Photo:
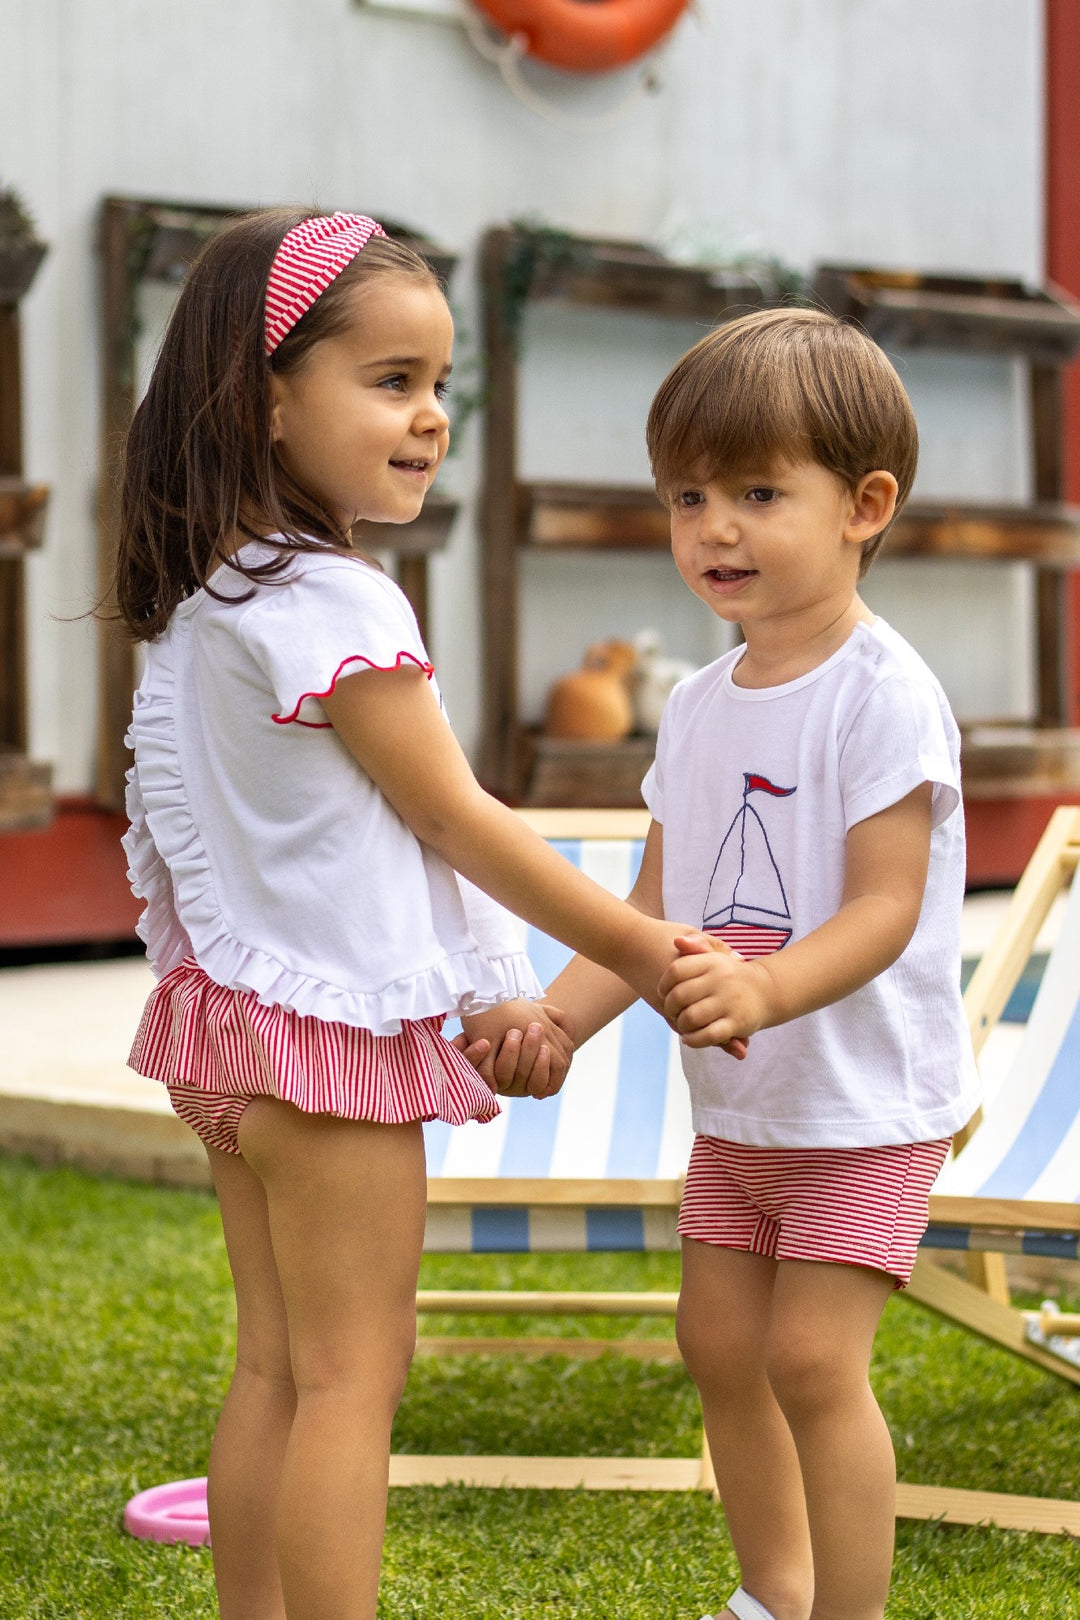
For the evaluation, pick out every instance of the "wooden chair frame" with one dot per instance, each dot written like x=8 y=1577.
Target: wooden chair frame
x=977 y=1303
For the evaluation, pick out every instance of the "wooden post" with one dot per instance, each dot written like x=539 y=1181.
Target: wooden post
x=25 y=788
x=1050 y=584
x=501 y=756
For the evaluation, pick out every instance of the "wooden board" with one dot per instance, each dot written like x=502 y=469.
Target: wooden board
x=1048 y=1516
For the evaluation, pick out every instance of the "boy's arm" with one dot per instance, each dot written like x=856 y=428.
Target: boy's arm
x=713 y=997
x=588 y=997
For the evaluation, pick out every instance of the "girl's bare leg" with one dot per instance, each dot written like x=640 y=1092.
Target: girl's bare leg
x=821 y=1334
x=723 y=1325
x=253 y=1430
x=346 y=1203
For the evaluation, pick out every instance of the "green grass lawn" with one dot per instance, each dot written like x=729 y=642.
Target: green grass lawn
x=116 y=1324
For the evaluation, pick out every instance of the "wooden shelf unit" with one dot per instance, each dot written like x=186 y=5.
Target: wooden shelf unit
x=900 y=308
x=597 y=272
x=26 y=798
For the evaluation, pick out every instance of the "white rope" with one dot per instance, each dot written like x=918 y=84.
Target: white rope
x=507 y=54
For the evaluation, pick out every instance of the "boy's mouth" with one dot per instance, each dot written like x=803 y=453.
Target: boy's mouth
x=729 y=576
x=412 y=466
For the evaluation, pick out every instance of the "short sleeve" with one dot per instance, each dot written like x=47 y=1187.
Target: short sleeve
x=325 y=622
x=902 y=736
x=652 y=788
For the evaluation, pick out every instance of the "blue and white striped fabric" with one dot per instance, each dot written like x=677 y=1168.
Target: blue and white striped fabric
x=623 y=1114
x=1028 y=1144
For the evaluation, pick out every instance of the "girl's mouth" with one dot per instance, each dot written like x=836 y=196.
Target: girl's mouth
x=411 y=466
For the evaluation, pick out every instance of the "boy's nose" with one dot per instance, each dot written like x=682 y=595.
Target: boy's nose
x=721 y=525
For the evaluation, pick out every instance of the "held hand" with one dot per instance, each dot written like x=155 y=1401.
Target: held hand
x=521 y=1048
x=712 y=997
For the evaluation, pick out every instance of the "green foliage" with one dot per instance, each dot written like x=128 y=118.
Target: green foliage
x=115 y=1343
x=16 y=223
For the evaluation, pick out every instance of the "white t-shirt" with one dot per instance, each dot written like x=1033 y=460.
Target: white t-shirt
x=260 y=845
x=756 y=791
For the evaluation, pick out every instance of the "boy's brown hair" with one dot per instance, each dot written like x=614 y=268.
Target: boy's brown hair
x=784 y=385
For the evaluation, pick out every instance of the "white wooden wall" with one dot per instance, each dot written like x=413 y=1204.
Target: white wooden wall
x=876 y=131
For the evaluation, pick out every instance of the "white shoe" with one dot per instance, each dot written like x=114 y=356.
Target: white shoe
x=744 y=1607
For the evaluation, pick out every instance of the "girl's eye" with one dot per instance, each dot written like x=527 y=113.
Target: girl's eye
x=397 y=381
x=761 y=496
x=689 y=497
x=442 y=390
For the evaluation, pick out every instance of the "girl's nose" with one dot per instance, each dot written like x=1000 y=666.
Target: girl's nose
x=432 y=416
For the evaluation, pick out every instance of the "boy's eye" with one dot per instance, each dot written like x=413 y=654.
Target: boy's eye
x=442 y=389
x=689 y=497
x=761 y=495
x=397 y=381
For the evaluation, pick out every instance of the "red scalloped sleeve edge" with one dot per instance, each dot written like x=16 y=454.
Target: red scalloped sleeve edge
x=354 y=658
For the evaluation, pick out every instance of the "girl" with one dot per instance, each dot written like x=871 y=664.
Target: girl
x=300 y=812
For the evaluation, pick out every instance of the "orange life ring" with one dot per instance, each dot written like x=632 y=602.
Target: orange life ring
x=586 y=36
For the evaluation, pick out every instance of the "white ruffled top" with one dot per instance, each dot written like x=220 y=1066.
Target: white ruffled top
x=260 y=846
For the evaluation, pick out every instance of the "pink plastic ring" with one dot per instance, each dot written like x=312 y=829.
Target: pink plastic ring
x=175 y=1512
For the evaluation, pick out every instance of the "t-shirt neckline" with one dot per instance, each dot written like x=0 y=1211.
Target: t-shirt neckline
x=762 y=694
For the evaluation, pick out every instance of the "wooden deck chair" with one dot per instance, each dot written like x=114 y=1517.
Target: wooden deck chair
x=1013 y=1184
x=600 y=1168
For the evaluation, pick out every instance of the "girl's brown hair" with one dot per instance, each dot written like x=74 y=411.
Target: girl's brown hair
x=784 y=385
x=199 y=465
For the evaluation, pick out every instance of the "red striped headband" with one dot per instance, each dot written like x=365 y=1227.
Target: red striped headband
x=310 y=256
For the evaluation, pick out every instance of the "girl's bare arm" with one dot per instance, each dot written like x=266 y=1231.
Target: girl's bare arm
x=391 y=723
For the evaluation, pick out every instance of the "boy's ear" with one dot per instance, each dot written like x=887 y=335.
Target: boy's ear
x=873 y=503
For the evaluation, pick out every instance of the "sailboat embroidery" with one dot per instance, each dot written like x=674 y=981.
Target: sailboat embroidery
x=746 y=905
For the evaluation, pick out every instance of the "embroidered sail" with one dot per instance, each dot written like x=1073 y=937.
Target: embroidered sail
x=746 y=905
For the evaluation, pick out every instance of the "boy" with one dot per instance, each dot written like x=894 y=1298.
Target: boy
x=806 y=807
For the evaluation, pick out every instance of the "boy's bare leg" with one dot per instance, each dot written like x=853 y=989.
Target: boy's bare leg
x=723 y=1324
x=346 y=1202
x=253 y=1430
x=822 y=1328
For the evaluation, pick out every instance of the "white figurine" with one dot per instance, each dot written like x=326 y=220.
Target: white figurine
x=654 y=676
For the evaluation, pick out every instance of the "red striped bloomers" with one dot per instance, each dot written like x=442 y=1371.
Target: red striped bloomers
x=215 y=1049
x=849 y=1206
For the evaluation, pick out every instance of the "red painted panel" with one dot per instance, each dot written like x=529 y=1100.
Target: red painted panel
x=1001 y=836
x=66 y=882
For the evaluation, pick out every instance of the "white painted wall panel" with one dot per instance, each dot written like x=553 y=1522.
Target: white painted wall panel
x=880 y=131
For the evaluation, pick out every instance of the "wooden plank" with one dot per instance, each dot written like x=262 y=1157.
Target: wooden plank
x=587 y=823
x=592 y=774
x=551 y=1473
x=1004 y=1214
x=1043 y=1514
x=26 y=798
x=116 y=677
x=587 y=515
x=1047 y=533
x=955 y=1299
x=1001 y=965
x=688 y=1474
x=580 y=1349
x=528 y=1302
x=521 y=1191
x=501 y=753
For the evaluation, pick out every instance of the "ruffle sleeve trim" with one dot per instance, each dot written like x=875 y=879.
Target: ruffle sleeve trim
x=170 y=869
x=354 y=658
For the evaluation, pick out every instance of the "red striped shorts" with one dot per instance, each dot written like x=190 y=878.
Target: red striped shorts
x=849 y=1206
x=215 y=1049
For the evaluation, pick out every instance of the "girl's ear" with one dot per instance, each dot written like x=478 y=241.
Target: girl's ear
x=276 y=397
x=873 y=503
